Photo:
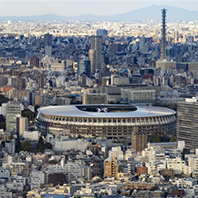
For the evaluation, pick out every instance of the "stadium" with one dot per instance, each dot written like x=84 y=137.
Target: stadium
x=105 y=121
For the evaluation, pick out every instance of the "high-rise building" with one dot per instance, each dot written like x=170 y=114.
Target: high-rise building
x=111 y=167
x=187 y=122
x=13 y=111
x=47 y=40
x=41 y=81
x=92 y=59
x=103 y=33
x=39 y=99
x=34 y=61
x=22 y=125
x=95 y=98
x=139 y=139
x=84 y=65
x=21 y=82
x=48 y=44
x=96 y=44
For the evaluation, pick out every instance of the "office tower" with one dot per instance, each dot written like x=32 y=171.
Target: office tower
x=48 y=44
x=13 y=111
x=87 y=67
x=187 y=122
x=95 y=98
x=22 y=125
x=12 y=81
x=103 y=33
x=96 y=44
x=39 y=99
x=41 y=81
x=138 y=96
x=34 y=61
x=111 y=167
x=20 y=94
x=142 y=42
x=163 y=39
x=92 y=59
x=84 y=65
x=47 y=40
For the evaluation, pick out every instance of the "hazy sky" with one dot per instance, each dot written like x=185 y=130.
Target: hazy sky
x=73 y=8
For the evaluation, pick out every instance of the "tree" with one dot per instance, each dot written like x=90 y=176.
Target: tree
x=172 y=139
x=28 y=114
x=3 y=143
x=156 y=138
x=11 y=137
x=3 y=125
x=40 y=140
x=48 y=145
x=36 y=107
x=27 y=146
x=3 y=99
x=17 y=145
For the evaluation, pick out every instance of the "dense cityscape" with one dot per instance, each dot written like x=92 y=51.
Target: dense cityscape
x=101 y=109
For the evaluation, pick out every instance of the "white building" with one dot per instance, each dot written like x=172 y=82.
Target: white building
x=73 y=170
x=4 y=172
x=35 y=182
x=184 y=182
x=116 y=152
x=10 y=145
x=86 y=172
x=64 y=144
x=179 y=166
x=31 y=135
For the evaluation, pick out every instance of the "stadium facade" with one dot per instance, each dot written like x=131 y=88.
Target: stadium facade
x=105 y=121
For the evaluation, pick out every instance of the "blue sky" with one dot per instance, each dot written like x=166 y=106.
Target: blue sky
x=79 y=7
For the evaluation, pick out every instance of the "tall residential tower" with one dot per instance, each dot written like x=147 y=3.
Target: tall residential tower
x=96 y=44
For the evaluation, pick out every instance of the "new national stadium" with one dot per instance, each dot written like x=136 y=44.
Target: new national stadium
x=105 y=121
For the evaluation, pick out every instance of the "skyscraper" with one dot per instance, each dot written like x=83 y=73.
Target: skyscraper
x=34 y=61
x=187 y=122
x=47 y=40
x=22 y=125
x=48 y=44
x=96 y=44
x=103 y=33
x=163 y=39
x=92 y=59
x=84 y=65
x=13 y=111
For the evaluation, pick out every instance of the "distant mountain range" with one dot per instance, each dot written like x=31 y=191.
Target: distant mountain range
x=149 y=13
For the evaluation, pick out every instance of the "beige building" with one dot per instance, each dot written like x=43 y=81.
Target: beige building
x=20 y=94
x=39 y=99
x=95 y=98
x=193 y=66
x=22 y=125
x=138 y=96
x=139 y=139
x=111 y=167
x=92 y=59
x=164 y=65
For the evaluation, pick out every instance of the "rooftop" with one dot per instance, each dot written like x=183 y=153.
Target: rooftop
x=136 y=111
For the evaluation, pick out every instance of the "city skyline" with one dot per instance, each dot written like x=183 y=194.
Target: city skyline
x=75 y=8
